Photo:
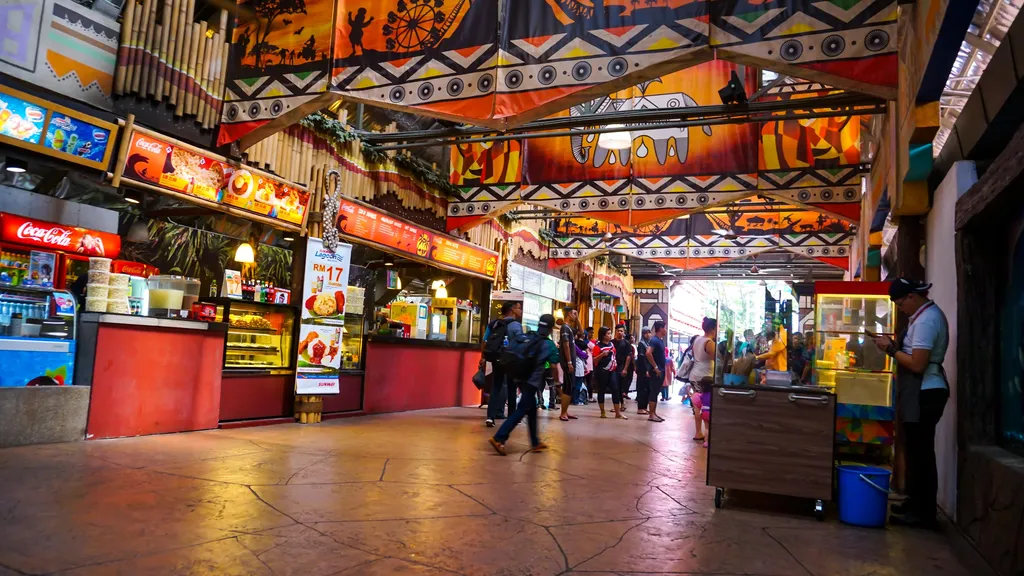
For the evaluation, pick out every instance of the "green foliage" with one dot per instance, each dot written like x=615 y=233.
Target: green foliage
x=336 y=133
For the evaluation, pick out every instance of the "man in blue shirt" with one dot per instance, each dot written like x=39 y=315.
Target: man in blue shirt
x=921 y=395
x=544 y=359
x=656 y=359
x=512 y=314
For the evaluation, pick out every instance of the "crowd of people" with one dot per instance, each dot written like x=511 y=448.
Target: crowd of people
x=578 y=364
x=570 y=366
x=565 y=360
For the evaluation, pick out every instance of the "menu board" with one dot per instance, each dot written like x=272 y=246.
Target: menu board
x=323 y=315
x=46 y=128
x=77 y=137
x=166 y=165
x=20 y=119
x=357 y=220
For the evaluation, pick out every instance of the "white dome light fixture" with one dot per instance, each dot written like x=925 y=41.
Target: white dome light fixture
x=619 y=140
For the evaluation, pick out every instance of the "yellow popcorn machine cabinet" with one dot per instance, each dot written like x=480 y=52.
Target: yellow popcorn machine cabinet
x=848 y=362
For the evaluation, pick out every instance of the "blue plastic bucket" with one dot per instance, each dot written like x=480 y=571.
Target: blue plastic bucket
x=863 y=495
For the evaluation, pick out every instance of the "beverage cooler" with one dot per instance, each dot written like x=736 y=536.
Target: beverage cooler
x=37 y=336
x=49 y=255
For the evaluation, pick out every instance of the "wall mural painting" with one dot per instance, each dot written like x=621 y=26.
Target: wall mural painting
x=501 y=63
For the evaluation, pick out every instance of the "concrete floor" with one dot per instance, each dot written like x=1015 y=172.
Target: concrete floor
x=415 y=493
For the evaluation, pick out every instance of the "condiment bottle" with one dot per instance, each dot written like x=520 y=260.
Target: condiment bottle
x=15 y=327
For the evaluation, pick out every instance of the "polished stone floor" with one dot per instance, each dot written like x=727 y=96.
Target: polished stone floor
x=415 y=493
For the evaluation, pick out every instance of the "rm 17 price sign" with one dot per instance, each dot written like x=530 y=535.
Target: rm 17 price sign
x=319 y=352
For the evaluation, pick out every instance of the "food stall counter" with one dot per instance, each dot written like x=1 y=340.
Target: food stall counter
x=412 y=374
x=149 y=375
x=259 y=359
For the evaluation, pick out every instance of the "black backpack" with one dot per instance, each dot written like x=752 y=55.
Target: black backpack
x=495 y=340
x=519 y=358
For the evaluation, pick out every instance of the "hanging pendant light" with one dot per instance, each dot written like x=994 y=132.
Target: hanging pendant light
x=244 y=253
x=615 y=140
x=441 y=292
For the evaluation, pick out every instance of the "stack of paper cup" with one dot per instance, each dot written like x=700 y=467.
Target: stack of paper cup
x=97 y=289
x=117 y=294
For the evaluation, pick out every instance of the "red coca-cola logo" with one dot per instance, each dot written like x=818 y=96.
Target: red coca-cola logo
x=52 y=236
x=150 y=146
x=27 y=232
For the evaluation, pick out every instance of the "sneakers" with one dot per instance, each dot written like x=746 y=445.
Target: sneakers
x=489 y=423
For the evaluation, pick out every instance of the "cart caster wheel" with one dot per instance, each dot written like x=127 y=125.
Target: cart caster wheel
x=718 y=497
x=819 y=510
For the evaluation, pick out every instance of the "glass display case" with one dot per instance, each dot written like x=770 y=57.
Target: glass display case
x=260 y=335
x=845 y=358
x=37 y=336
x=358 y=301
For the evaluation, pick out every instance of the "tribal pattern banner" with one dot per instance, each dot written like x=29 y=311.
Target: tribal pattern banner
x=652 y=175
x=705 y=239
x=501 y=63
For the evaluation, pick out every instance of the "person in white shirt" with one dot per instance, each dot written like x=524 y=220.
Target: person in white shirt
x=921 y=394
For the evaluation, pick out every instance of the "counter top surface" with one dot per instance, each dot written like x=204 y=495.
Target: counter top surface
x=798 y=389
x=380 y=339
x=152 y=322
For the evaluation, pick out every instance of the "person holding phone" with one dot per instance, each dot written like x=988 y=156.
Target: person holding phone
x=921 y=394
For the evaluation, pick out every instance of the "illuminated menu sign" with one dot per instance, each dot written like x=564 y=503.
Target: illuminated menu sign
x=21 y=120
x=161 y=163
x=368 y=225
x=33 y=124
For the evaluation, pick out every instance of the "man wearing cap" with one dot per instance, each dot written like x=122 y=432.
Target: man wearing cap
x=921 y=394
x=546 y=352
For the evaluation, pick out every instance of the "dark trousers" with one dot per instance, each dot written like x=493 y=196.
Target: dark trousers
x=527 y=408
x=499 y=390
x=919 y=445
x=642 y=390
x=607 y=383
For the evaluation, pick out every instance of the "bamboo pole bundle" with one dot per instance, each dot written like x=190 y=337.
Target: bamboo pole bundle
x=172 y=34
x=213 y=59
x=133 y=53
x=221 y=87
x=124 y=51
x=202 y=69
x=193 y=55
x=180 y=52
x=140 y=44
x=157 y=82
x=196 y=76
x=147 y=46
x=154 y=62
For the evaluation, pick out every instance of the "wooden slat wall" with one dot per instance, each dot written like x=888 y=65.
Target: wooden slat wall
x=299 y=155
x=167 y=56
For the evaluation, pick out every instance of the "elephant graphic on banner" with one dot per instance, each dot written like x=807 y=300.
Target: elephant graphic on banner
x=667 y=142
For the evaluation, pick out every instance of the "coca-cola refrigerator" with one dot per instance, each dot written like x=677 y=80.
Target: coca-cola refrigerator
x=46 y=254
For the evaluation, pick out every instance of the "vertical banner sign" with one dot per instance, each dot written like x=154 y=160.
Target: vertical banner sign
x=323 y=315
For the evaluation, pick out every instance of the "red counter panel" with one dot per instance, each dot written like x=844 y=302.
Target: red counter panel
x=349 y=397
x=154 y=380
x=406 y=376
x=247 y=397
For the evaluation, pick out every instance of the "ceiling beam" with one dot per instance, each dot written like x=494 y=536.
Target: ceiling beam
x=751 y=112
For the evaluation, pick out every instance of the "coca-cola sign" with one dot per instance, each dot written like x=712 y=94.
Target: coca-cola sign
x=57 y=237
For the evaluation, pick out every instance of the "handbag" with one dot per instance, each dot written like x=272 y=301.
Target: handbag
x=683 y=374
x=480 y=379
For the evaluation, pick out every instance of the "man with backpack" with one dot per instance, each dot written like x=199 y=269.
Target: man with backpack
x=499 y=333
x=525 y=360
